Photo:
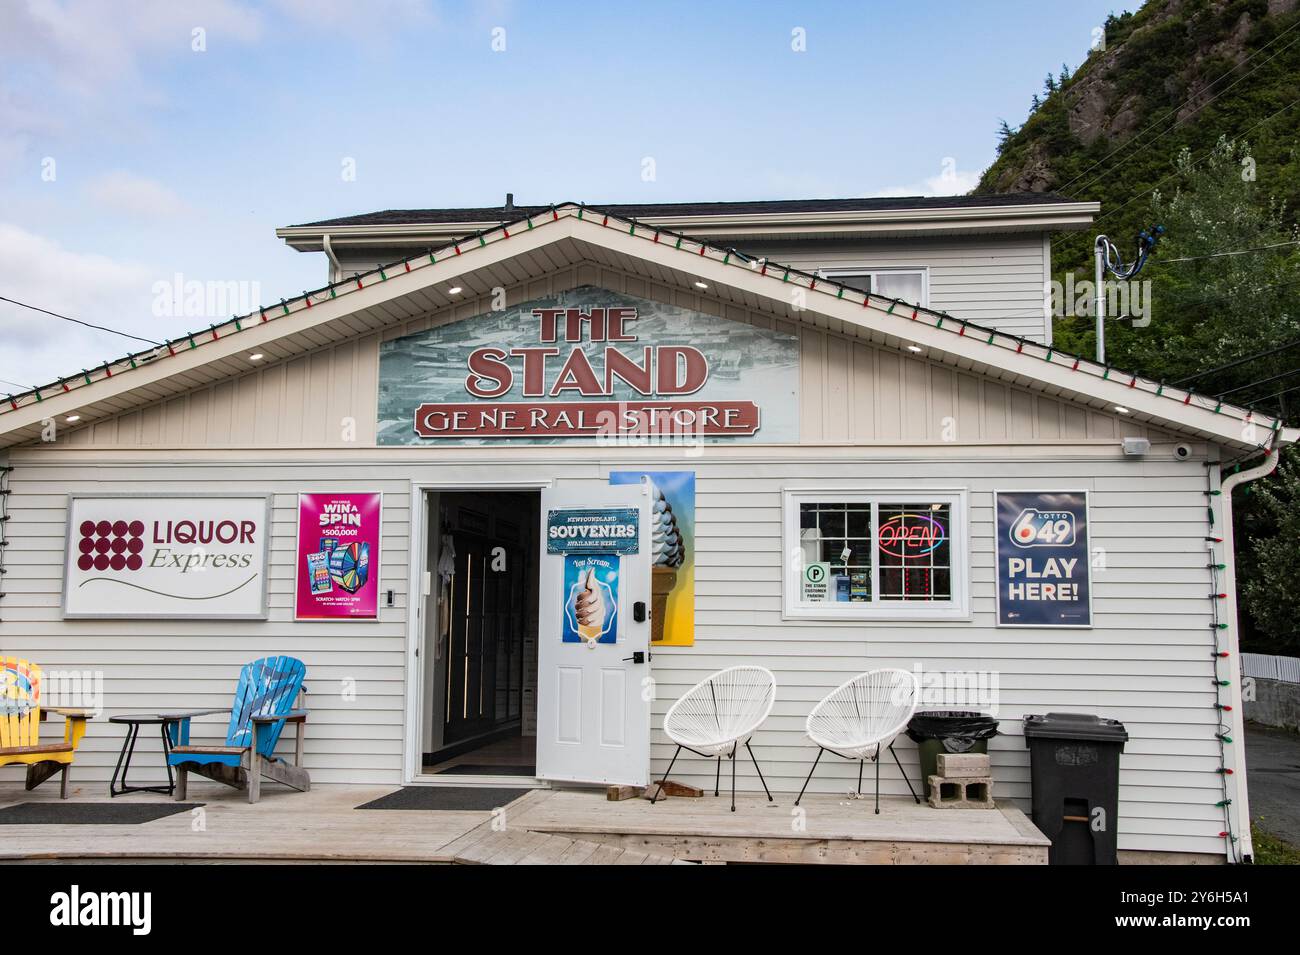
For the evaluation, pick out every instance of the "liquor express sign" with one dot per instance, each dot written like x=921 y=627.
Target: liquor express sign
x=166 y=557
x=1044 y=571
x=589 y=364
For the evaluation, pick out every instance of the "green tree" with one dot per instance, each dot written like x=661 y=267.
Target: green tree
x=1266 y=564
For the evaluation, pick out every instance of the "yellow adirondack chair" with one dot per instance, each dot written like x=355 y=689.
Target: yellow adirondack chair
x=20 y=719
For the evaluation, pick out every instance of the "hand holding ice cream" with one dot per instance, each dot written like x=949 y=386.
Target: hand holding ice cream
x=589 y=607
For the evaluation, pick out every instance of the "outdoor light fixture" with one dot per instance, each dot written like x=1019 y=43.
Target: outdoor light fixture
x=256 y=356
x=915 y=348
x=454 y=290
x=1136 y=447
x=701 y=284
x=1121 y=409
x=72 y=417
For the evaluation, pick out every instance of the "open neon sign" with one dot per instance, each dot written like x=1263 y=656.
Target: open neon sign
x=910 y=535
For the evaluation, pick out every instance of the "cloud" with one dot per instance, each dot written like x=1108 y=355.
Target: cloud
x=136 y=196
x=94 y=288
x=949 y=182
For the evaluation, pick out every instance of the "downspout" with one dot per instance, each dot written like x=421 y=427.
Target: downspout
x=1239 y=810
x=336 y=273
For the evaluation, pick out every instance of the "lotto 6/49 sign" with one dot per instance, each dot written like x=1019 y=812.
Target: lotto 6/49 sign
x=1044 y=574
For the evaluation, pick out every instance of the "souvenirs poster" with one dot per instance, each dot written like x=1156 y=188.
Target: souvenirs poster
x=338 y=556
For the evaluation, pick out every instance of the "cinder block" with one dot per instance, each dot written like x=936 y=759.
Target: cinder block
x=961 y=793
x=958 y=765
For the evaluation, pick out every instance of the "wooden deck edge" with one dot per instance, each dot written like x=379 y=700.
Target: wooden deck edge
x=788 y=850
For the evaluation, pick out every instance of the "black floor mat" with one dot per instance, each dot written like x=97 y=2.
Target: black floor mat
x=460 y=798
x=90 y=813
x=486 y=769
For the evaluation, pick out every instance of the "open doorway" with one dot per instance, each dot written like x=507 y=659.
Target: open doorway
x=479 y=647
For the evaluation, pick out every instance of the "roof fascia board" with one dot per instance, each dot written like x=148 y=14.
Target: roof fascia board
x=976 y=219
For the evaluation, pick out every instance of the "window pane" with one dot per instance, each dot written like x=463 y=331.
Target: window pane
x=860 y=282
x=914 y=547
x=840 y=535
x=902 y=285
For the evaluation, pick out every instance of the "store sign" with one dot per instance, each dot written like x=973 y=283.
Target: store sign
x=1044 y=572
x=910 y=535
x=589 y=364
x=672 y=553
x=172 y=557
x=612 y=530
x=338 y=556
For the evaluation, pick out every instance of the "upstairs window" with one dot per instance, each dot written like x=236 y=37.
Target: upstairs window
x=907 y=285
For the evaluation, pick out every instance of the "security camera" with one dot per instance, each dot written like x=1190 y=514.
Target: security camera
x=1183 y=452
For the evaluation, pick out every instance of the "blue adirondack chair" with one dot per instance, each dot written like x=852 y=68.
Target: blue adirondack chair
x=269 y=695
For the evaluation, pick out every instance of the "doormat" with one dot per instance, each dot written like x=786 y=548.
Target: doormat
x=90 y=813
x=486 y=769
x=457 y=798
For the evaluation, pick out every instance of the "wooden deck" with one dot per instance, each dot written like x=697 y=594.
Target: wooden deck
x=542 y=827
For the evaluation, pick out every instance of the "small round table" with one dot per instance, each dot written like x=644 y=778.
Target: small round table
x=133 y=722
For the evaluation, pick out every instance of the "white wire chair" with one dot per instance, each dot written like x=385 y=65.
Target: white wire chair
x=858 y=717
x=717 y=715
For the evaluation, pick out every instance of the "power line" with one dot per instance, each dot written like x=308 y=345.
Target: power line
x=6 y=381
x=68 y=318
x=1279 y=394
x=1218 y=255
x=1256 y=384
x=1240 y=361
x=1133 y=141
x=1111 y=212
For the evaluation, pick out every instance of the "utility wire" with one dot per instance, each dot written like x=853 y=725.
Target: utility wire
x=1175 y=172
x=1279 y=394
x=1133 y=141
x=67 y=318
x=1256 y=384
x=1218 y=255
x=1240 y=361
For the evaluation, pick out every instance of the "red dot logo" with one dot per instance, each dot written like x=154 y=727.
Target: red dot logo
x=110 y=545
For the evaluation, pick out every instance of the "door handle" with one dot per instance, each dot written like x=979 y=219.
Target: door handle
x=638 y=656
x=638 y=611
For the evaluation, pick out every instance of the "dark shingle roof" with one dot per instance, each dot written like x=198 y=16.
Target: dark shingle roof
x=643 y=210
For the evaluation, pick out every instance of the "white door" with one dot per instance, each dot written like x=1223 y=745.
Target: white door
x=593 y=657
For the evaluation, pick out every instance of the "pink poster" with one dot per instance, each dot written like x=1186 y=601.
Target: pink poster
x=338 y=556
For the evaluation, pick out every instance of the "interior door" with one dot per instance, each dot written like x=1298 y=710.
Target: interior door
x=593 y=658
x=485 y=642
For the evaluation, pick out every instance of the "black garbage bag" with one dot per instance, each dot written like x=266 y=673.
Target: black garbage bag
x=959 y=729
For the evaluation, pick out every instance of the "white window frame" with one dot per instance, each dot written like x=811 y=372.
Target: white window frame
x=921 y=270
x=956 y=608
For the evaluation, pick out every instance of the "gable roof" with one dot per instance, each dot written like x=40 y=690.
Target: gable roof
x=568 y=234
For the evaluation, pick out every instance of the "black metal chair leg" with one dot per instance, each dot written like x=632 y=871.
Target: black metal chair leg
x=820 y=750
x=876 y=760
x=760 y=772
x=655 y=797
x=861 y=763
x=717 y=777
x=733 y=777
x=905 y=779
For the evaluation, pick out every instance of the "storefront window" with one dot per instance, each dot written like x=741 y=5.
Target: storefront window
x=865 y=554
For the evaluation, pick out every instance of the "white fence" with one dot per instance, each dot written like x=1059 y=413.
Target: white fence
x=1266 y=666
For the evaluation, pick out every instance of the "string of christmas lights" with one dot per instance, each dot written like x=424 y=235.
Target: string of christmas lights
x=725 y=256
x=4 y=523
x=1219 y=655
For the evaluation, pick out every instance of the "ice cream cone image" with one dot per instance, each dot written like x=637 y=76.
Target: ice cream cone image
x=668 y=552
x=589 y=608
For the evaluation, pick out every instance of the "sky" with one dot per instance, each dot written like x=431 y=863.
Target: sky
x=149 y=145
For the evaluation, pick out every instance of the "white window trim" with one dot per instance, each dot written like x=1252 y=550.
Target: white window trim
x=958 y=608
x=922 y=270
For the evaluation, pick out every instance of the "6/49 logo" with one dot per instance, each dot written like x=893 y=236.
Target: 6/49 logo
x=1035 y=528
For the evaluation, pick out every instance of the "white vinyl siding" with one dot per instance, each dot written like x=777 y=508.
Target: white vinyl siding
x=1146 y=661
x=996 y=281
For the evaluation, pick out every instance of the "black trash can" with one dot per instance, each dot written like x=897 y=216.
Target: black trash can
x=948 y=731
x=1074 y=768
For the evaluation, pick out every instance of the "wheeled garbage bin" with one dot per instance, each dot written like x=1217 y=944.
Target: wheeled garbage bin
x=1074 y=769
